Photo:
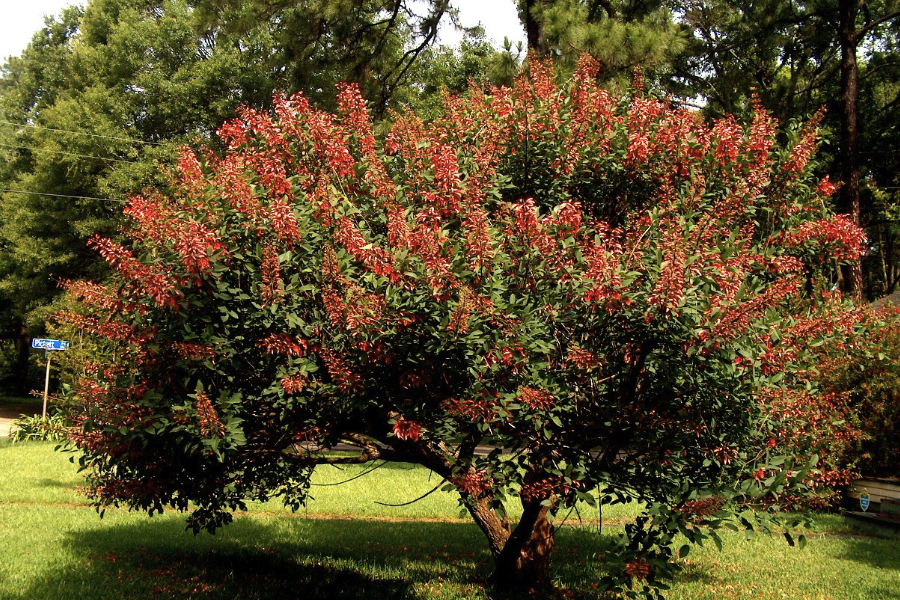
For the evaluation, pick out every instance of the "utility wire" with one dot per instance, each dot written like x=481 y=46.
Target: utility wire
x=366 y=472
x=62 y=195
x=95 y=135
x=133 y=162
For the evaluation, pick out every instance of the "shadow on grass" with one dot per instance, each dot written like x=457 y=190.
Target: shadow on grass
x=269 y=559
x=52 y=483
x=283 y=558
x=874 y=552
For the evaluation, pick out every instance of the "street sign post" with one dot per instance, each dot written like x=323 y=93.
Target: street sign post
x=49 y=346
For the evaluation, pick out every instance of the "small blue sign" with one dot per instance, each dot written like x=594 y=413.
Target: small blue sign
x=49 y=344
x=864 y=501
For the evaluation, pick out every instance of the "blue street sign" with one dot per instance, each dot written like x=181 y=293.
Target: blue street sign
x=49 y=344
x=864 y=501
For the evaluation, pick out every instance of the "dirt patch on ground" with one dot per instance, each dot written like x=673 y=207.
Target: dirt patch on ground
x=12 y=411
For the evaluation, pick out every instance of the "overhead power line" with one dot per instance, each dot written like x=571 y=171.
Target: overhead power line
x=62 y=195
x=133 y=162
x=95 y=135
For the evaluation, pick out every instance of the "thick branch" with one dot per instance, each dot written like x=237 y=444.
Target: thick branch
x=370 y=451
x=879 y=21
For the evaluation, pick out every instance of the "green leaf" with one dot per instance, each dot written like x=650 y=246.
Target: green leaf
x=716 y=540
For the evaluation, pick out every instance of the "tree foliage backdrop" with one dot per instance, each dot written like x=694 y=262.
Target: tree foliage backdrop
x=105 y=94
x=611 y=292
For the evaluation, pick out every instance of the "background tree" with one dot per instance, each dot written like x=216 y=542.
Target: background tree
x=443 y=70
x=797 y=56
x=313 y=44
x=621 y=35
x=103 y=95
x=85 y=123
x=605 y=288
x=879 y=155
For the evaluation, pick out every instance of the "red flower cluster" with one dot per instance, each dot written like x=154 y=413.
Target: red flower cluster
x=294 y=383
x=669 y=289
x=638 y=569
x=272 y=284
x=481 y=408
x=474 y=483
x=581 y=358
x=155 y=220
x=284 y=344
x=407 y=430
x=704 y=507
x=155 y=282
x=545 y=488
x=193 y=351
x=210 y=425
x=536 y=399
x=838 y=234
x=94 y=294
x=112 y=330
x=345 y=378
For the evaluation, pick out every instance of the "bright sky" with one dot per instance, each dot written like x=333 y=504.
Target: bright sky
x=22 y=18
x=498 y=17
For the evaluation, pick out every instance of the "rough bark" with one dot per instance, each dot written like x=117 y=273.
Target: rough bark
x=534 y=30
x=23 y=349
x=849 y=149
x=495 y=529
x=525 y=560
x=521 y=556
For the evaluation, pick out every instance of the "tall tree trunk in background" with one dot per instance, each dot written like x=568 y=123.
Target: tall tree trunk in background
x=534 y=30
x=23 y=348
x=849 y=150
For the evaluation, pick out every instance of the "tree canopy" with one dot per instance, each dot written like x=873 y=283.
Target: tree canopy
x=607 y=291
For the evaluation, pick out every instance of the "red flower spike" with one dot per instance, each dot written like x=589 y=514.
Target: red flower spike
x=272 y=284
x=284 y=344
x=638 y=569
x=536 y=399
x=407 y=430
x=210 y=425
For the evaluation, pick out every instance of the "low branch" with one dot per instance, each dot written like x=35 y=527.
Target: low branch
x=366 y=472
x=369 y=451
x=422 y=497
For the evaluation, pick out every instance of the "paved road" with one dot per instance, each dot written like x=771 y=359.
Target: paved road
x=11 y=412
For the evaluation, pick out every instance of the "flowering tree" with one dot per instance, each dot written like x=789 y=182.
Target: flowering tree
x=605 y=289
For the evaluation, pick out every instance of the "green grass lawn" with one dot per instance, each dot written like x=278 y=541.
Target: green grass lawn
x=344 y=545
x=31 y=401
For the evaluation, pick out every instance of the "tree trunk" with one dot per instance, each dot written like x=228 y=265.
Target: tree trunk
x=521 y=557
x=525 y=560
x=849 y=199
x=534 y=30
x=23 y=348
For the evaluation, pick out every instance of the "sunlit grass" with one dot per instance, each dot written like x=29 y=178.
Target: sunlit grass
x=30 y=400
x=56 y=547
